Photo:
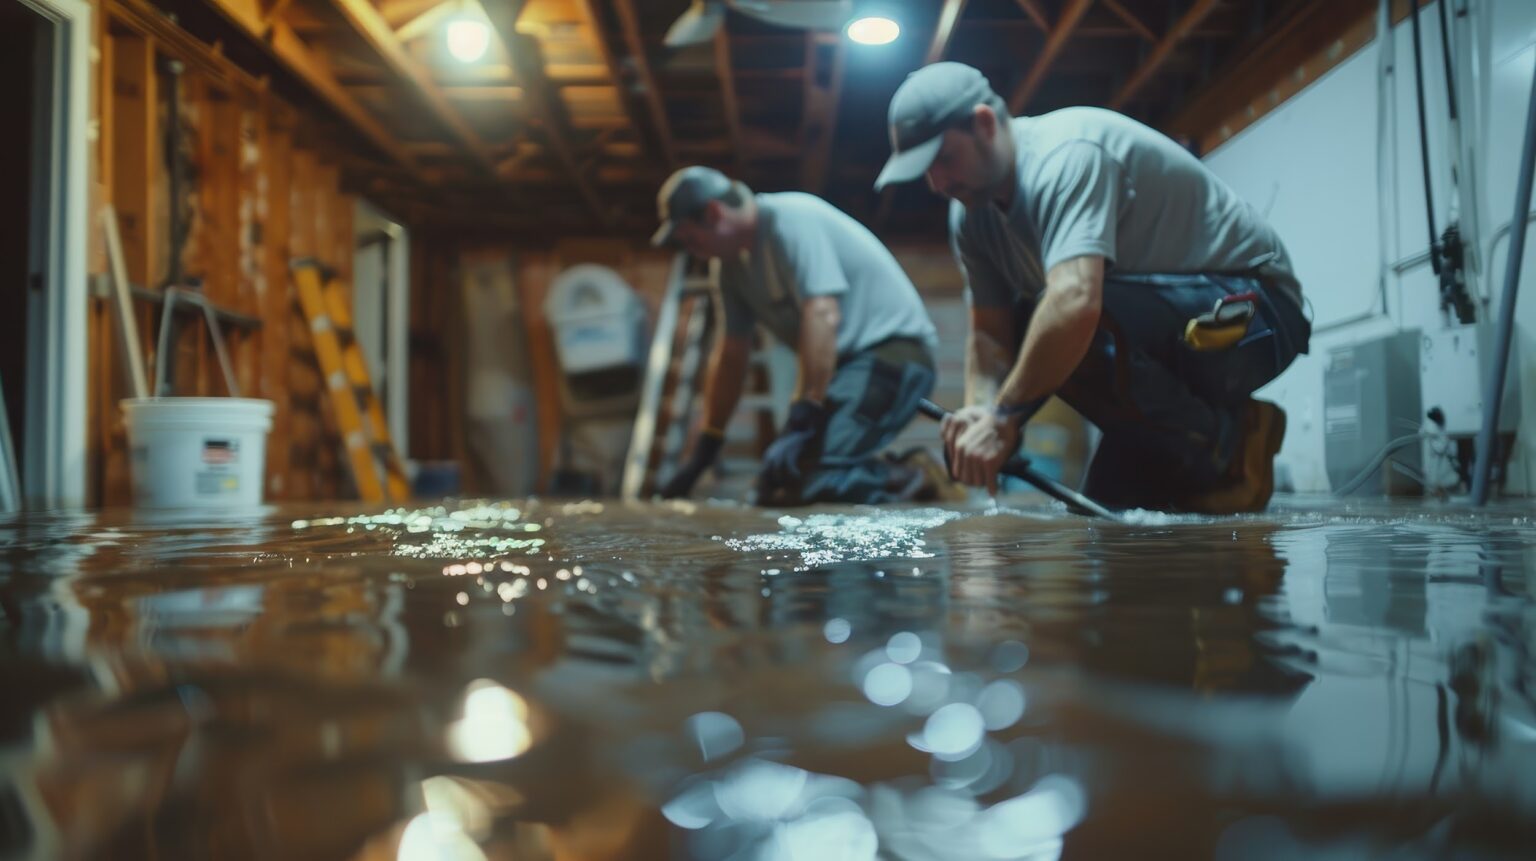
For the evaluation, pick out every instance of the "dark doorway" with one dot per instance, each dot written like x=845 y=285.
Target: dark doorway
x=21 y=32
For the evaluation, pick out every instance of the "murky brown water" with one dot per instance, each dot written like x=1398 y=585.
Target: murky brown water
x=601 y=682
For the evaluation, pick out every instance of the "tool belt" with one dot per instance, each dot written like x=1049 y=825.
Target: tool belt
x=1224 y=325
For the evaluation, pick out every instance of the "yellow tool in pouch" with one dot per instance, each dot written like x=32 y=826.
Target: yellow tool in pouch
x=1222 y=326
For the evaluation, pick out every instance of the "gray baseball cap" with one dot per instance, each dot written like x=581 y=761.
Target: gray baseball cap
x=932 y=99
x=685 y=194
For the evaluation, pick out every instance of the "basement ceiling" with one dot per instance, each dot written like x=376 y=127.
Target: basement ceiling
x=577 y=111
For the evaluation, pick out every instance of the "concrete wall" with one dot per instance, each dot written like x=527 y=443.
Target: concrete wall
x=1347 y=196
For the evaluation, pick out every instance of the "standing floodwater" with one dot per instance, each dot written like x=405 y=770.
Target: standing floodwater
x=597 y=681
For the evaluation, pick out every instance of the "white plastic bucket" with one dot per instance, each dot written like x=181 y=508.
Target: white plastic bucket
x=197 y=452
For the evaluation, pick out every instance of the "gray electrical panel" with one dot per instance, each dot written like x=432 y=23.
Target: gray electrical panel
x=1370 y=398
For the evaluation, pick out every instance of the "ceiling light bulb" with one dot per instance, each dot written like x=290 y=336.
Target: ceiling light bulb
x=874 y=31
x=468 y=39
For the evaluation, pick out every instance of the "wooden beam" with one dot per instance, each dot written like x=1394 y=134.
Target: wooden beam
x=543 y=98
x=152 y=23
x=728 y=89
x=630 y=23
x=425 y=23
x=944 y=30
x=134 y=156
x=819 y=126
x=542 y=94
x=1161 y=51
x=1055 y=40
x=401 y=12
x=275 y=12
x=374 y=30
x=591 y=10
x=1267 y=66
x=1036 y=14
x=287 y=48
x=1142 y=30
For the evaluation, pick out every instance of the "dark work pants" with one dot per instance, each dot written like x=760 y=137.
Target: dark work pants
x=1171 y=416
x=872 y=396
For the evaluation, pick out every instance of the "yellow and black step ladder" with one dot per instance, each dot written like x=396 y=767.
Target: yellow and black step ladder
x=377 y=469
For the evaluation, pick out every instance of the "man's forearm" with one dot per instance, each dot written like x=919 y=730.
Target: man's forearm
x=723 y=385
x=1060 y=332
x=986 y=364
x=989 y=354
x=817 y=350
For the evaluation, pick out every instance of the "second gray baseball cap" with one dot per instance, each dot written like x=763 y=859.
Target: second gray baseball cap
x=685 y=194
x=931 y=100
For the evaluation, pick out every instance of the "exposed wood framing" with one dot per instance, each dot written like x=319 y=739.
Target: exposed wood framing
x=1328 y=26
x=135 y=167
x=1056 y=39
x=276 y=146
x=275 y=12
x=1036 y=14
x=399 y=13
x=629 y=22
x=944 y=30
x=543 y=98
x=147 y=20
x=727 y=78
x=819 y=126
x=366 y=21
x=236 y=135
x=591 y=10
x=1141 y=30
x=425 y=22
x=1161 y=51
x=547 y=105
x=284 y=44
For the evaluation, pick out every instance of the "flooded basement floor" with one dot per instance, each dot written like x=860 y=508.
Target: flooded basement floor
x=589 y=681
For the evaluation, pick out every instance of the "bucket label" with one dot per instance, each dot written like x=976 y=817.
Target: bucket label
x=221 y=451
x=221 y=459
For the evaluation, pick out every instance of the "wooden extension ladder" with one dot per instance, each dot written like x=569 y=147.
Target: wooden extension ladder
x=674 y=377
x=376 y=467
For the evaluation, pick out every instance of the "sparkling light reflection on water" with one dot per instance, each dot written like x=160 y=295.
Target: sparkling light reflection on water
x=592 y=680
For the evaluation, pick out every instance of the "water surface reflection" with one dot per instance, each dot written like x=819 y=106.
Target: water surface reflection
x=595 y=681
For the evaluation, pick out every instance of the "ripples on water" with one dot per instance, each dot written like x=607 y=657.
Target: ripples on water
x=596 y=681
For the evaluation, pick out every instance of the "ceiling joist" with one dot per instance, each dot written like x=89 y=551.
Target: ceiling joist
x=949 y=15
x=1161 y=51
x=1056 y=39
x=288 y=49
x=635 y=44
x=374 y=30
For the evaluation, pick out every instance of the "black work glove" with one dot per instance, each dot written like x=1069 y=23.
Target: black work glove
x=705 y=452
x=781 y=463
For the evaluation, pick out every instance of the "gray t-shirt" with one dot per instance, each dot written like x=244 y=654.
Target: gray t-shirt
x=1094 y=182
x=807 y=247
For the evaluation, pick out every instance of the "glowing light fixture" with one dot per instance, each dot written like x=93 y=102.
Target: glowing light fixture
x=874 y=30
x=468 y=39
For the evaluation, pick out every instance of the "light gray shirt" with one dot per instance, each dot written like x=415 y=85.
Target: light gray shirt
x=807 y=247
x=1092 y=182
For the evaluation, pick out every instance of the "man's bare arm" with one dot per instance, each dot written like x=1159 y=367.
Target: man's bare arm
x=1060 y=331
x=819 y=319
x=725 y=379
